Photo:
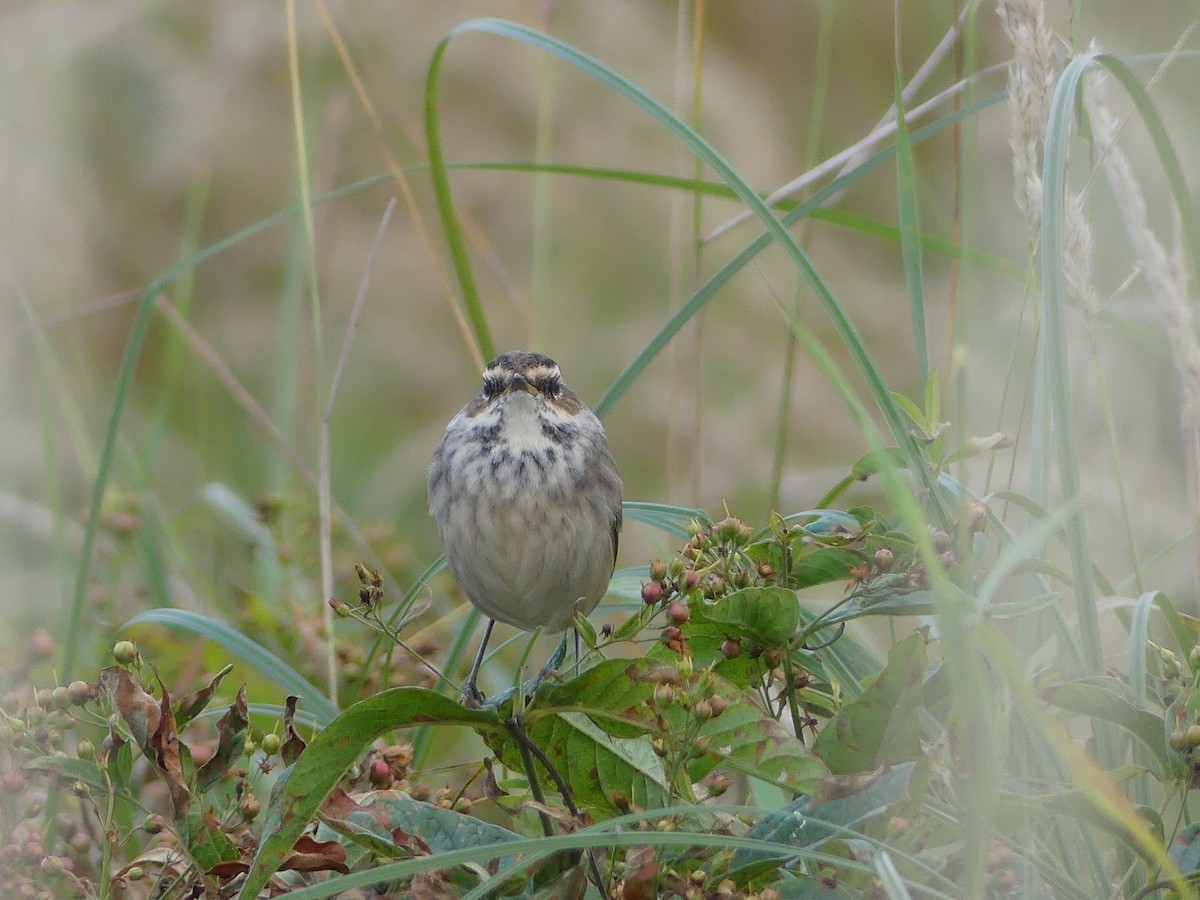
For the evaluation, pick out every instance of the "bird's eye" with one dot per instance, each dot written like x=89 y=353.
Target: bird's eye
x=549 y=385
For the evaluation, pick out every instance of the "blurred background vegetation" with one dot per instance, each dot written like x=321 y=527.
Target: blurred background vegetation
x=135 y=134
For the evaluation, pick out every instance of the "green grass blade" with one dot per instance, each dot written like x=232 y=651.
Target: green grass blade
x=705 y=152
x=450 y=226
x=1055 y=359
x=249 y=651
x=910 y=231
x=665 y=517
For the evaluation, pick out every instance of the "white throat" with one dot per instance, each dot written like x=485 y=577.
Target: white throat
x=522 y=423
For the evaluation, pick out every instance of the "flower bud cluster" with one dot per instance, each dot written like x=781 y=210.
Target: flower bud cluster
x=370 y=591
x=41 y=723
x=388 y=769
x=710 y=565
x=683 y=701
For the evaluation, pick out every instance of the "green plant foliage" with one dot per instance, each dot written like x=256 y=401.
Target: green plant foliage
x=881 y=726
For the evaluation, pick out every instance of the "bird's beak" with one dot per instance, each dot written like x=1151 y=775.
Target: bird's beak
x=519 y=383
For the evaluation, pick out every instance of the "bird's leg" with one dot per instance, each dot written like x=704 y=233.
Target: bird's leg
x=471 y=695
x=550 y=667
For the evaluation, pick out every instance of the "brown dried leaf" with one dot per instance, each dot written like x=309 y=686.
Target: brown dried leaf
x=413 y=843
x=231 y=729
x=569 y=822
x=339 y=804
x=164 y=743
x=431 y=886
x=641 y=870
x=834 y=787
x=195 y=703
x=570 y=885
x=310 y=855
x=139 y=710
x=293 y=744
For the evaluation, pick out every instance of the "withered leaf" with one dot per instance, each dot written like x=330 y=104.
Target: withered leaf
x=412 y=843
x=311 y=855
x=641 y=869
x=231 y=729
x=164 y=744
x=139 y=710
x=339 y=804
x=293 y=744
x=195 y=703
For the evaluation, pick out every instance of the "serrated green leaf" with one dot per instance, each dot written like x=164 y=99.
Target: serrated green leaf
x=71 y=768
x=746 y=739
x=604 y=773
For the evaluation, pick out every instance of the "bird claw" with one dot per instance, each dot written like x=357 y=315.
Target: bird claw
x=472 y=697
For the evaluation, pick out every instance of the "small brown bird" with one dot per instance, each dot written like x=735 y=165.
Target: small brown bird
x=527 y=500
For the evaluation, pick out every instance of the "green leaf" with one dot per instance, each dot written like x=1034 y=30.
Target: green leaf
x=824 y=565
x=204 y=841
x=746 y=739
x=827 y=815
x=603 y=772
x=873 y=603
x=910 y=244
x=634 y=624
x=244 y=648
x=871 y=463
x=768 y=615
x=71 y=768
x=301 y=788
x=1106 y=698
x=614 y=692
x=671 y=519
x=882 y=725
x=372 y=819
x=1185 y=849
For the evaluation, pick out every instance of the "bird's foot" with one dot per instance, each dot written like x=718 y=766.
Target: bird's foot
x=472 y=697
